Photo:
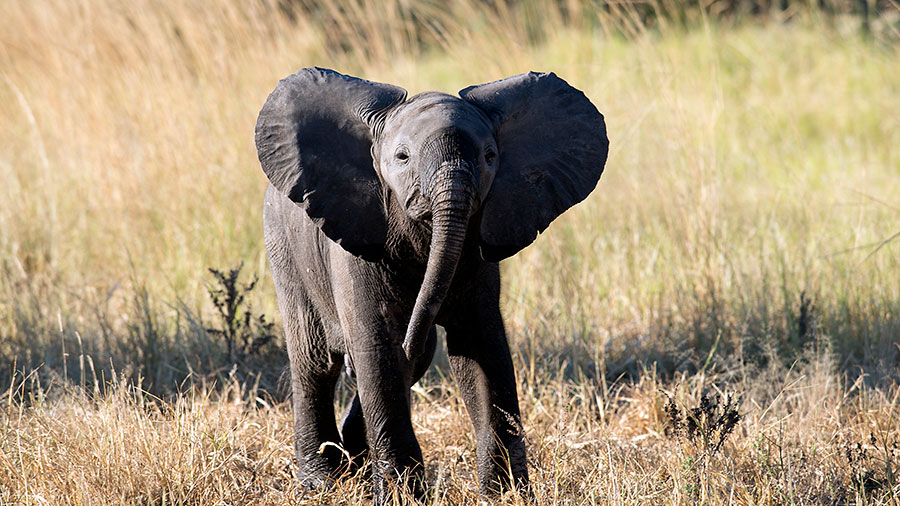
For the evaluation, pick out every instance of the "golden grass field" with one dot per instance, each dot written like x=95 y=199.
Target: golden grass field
x=742 y=241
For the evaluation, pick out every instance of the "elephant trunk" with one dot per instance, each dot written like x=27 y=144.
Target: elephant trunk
x=452 y=196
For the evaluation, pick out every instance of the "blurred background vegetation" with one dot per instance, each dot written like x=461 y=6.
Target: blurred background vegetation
x=748 y=214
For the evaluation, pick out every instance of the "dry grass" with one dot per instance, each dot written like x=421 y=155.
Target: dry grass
x=806 y=438
x=736 y=242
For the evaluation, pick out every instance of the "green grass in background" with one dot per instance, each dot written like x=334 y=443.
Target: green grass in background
x=753 y=172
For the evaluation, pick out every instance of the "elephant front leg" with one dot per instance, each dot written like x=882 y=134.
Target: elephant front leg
x=314 y=373
x=353 y=426
x=383 y=389
x=481 y=363
x=316 y=441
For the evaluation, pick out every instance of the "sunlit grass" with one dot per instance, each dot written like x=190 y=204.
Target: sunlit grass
x=804 y=439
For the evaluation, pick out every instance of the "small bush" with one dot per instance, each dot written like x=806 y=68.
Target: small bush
x=706 y=426
x=245 y=334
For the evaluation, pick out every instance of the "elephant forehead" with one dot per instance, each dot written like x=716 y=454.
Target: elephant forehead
x=428 y=112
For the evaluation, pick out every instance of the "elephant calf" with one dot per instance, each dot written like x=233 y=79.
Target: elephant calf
x=385 y=217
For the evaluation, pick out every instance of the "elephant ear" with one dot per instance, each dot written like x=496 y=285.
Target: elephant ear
x=314 y=137
x=553 y=147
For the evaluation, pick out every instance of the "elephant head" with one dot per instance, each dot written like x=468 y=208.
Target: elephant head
x=520 y=150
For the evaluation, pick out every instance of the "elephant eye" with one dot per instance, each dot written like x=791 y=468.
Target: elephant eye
x=489 y=156
x=402 y=155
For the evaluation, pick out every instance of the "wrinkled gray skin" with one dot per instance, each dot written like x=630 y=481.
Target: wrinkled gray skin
x=386 y=217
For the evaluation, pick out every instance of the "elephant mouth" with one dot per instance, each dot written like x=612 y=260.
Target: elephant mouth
x=417 y=207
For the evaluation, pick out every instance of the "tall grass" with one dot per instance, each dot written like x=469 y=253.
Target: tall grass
x=805 y=438
x=739 y=239
x=750 y=166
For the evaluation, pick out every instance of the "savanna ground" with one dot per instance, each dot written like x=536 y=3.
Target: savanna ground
x=741 y=248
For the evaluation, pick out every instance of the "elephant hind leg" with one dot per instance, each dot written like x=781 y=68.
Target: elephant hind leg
x=353 y=433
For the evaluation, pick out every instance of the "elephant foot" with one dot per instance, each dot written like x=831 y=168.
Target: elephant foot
x=314 y=482
x=315 y=478
x=388 y=481
x=320 y=466
x=504 y=470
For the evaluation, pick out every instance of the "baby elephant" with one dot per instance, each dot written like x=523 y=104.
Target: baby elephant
x=386 y=217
